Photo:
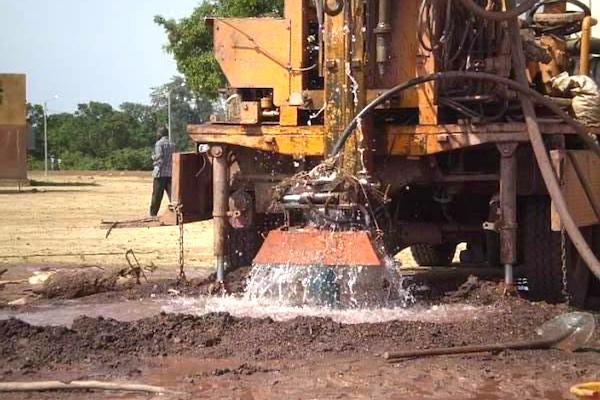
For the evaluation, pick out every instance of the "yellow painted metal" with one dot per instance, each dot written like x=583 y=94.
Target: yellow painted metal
x=296 y=15
x=296 y=141
x=425 y=63
x=404 y=47
x=337 y=111
x=264 y=52
x=586 y=37
x=270 y=53
x=252 y=54
x=345 y=89
x=360 y=153
x=417 y=140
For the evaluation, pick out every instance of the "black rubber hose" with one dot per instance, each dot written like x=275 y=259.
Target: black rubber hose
x=577 y=3
x=541 y=153
x=574 y=28
x=524 y=90
x=498 y=15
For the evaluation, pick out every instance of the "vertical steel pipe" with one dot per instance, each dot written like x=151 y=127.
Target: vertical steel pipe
x=382 y=31
x=586 y=39
x=508 y=208
x=220 y=207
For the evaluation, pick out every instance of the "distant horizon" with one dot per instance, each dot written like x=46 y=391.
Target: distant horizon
x=110 y=51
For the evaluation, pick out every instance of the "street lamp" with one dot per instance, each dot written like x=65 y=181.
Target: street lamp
x=169 y=109
x=46 y=134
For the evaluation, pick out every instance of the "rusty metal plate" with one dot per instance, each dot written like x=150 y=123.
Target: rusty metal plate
x=313 y=247
x=577 y=199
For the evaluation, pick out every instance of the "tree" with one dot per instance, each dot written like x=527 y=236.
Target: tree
x=146 y=122
x=190 y=40
x=98 y=137
x=185 y=109
x=35 y=122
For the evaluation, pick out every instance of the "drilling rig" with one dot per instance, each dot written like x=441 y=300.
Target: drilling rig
x=354 y=129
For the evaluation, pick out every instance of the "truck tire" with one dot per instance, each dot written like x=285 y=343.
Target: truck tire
x=542 y=252
x=430 y=255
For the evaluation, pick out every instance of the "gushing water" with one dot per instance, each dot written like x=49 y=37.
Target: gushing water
x=345 y=287
x=348 y=295
x=242 y=307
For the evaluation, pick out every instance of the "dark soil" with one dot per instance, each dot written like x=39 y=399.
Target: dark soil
x=220 y=335
x=287 y=354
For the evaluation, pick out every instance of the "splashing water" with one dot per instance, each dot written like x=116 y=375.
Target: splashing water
x=347 y=295
x=242 y=307
x=346 y=287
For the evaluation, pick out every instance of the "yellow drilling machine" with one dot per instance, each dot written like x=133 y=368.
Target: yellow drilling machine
x=353 y=129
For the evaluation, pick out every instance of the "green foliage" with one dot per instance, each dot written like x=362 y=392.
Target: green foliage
x=34 y=164
x=185 y=109
x=35 y=120
x=190 y=40
x=98 y=137
x=126 y=159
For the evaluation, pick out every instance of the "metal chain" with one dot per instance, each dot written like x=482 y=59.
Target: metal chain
x=564 y=264
x=179 y=214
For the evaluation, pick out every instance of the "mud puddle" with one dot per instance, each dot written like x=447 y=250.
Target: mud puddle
x=242 y=307
x=64 y=313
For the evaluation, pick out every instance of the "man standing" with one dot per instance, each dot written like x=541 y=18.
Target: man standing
x=163 y=163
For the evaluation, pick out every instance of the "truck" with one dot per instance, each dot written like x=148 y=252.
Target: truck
x=354 y=129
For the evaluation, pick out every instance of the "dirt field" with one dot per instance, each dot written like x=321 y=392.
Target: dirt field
x=202 y=346
x=58 y=221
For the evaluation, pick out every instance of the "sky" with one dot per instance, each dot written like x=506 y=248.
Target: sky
x=88 y=50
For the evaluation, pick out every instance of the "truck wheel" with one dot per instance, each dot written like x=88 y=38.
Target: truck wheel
x=429 y=255
x=542 y=252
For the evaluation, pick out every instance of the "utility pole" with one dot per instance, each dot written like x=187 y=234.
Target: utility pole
x=170 y=118
x=45 y=139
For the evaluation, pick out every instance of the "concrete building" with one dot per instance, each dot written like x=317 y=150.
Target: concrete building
x=13 y=127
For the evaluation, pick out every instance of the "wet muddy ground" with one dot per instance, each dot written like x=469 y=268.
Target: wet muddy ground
x=278 y=354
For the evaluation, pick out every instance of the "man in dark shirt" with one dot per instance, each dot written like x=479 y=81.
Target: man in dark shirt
x=163 y=165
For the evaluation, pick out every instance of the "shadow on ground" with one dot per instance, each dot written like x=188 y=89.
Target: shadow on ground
x=34 y=183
